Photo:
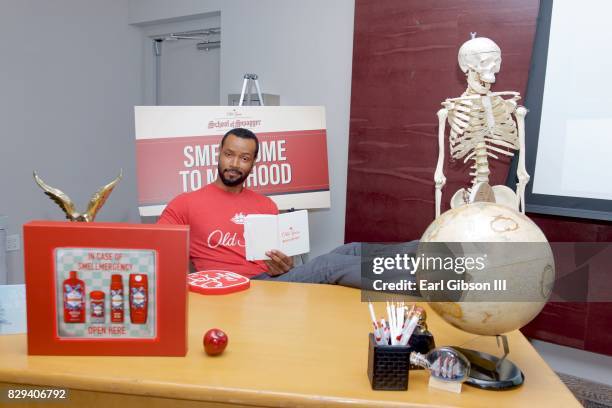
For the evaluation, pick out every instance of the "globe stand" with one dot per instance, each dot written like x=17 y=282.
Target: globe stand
x=490 y=372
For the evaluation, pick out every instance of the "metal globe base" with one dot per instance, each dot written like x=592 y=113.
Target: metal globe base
x=490 y=372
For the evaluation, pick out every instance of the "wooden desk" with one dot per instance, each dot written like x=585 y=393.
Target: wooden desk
x=290 y=345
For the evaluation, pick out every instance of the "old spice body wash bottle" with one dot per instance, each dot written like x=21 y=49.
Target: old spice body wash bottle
x=74 y=299
x=139 y=298
x=116 y=298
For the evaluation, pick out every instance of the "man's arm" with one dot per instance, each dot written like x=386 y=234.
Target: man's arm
x=175 y=212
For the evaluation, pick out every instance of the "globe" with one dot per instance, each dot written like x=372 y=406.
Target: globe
x=517 y=252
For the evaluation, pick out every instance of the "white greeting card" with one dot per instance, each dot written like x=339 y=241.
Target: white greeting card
x=286 y=232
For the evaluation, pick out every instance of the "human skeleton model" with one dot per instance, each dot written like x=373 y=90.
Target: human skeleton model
x=481 y=126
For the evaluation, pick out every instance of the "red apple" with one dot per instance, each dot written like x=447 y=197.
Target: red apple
x=215 y=341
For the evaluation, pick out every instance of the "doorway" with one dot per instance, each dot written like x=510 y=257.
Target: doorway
x=183 y=62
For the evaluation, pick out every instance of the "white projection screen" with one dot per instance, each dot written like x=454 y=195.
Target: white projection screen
x=569 y=124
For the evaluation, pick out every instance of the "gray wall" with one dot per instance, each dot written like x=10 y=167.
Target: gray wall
x=301 y=50
x=70 y=73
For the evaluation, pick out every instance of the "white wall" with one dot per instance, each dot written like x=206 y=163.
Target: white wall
x=69 y=78
x=301 y=50
x=207 y=81
x=575 y=142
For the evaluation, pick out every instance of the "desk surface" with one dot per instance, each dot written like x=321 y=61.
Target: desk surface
x=289 y=344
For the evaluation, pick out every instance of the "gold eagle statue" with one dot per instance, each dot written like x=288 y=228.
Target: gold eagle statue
x=95 y=203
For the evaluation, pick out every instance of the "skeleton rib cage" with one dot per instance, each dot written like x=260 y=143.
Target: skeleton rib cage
x=482 y=126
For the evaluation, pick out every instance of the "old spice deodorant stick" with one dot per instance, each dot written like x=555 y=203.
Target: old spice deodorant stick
x=97 y=306
x=74 y=299
x=116 y=299
x=139 y=298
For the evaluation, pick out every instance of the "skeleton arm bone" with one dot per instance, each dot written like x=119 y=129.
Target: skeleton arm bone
x=439 y=178
x=521 y=171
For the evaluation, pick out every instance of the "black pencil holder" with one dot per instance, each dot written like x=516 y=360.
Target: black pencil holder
x=388 y=366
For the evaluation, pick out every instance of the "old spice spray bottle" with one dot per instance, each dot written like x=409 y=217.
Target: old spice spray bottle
x=74 y=299
x=116 y=298
x=139 y=298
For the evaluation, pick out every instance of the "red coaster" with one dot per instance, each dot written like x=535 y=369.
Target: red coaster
x=215 y=282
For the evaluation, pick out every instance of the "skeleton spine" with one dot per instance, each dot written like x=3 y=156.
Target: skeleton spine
x=481 y=164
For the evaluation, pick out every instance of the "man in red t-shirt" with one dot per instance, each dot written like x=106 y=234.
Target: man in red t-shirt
x=216 y=213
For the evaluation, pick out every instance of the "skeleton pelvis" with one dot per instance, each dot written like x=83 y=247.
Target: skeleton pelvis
x=484 y=192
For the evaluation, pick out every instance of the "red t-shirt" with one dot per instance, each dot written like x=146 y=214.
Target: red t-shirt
x=215 y=218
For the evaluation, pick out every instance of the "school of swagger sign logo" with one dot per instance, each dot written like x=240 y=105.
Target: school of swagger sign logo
x=234 y=119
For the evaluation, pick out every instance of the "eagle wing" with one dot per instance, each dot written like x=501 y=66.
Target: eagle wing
x=59 y=197
x=99 y=198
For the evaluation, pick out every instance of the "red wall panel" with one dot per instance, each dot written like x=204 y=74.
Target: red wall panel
x=581 y=325
x=404 y=66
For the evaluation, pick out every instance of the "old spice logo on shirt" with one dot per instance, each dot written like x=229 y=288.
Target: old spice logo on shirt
x=218 y=238
x=239 y=218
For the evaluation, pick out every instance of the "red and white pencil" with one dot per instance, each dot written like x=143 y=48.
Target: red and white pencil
x=377 y=333
x=411 y=325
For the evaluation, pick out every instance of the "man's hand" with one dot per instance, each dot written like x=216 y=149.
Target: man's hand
x=278 y=263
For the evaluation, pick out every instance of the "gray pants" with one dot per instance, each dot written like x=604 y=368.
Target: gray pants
x=342 y=266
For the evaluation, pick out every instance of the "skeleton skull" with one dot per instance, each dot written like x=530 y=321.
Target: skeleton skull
x=480 y=56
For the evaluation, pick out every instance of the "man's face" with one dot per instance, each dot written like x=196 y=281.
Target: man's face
x=236 y=160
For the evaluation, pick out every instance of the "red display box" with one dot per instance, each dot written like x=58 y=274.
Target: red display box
x=106 y=288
